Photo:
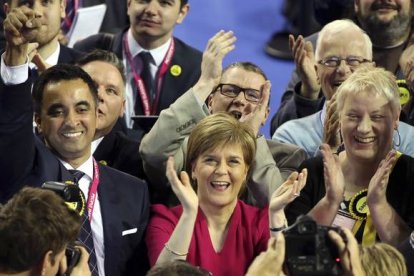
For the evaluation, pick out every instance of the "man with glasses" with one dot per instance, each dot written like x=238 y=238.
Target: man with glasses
x=341 y=48
x=388 y=25
x=218 y=91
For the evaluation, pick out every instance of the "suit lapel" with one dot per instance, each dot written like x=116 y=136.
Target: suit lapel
x=110 y=202
x=103 y=152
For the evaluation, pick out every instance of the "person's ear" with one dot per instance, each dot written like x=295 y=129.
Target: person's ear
x=210 y=103
x=38 y=122
x=317 y=74
x=356 y=6
x=6 y=8
x=122 y=109
x=62 y=9
x=183 y=13
x=193 y=173
x=47 y=263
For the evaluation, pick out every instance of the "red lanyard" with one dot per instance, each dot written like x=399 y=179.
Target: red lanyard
x=142 y=92
x=93 y=190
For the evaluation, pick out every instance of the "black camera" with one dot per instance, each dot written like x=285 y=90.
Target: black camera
x=72 y=258
x=309 y=250
x=72 y=195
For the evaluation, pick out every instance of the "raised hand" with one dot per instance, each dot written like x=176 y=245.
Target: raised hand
x=258 y=116
x=288 y=191
x=182 y=188
x=21 y=25
x=378 y=185
x=334 y=178
x=211 y=66
x=217 y=48
x=331 y=135
x=304 y=59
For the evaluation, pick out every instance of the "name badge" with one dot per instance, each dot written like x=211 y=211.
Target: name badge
x=344 y=219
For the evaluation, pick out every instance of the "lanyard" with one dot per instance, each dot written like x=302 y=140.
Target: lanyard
x=142 y=91
x=93 y=190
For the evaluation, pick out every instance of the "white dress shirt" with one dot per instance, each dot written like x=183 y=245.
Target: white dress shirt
x=96 y=223
x=12 y=75
x=157 y=54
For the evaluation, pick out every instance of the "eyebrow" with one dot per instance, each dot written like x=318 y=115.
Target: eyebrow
x=59 y=105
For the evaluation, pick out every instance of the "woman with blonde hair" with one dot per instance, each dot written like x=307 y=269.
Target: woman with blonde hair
x=367 y=187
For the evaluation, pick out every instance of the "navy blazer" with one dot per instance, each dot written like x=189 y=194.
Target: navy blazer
x=187 y=57
x=68 y=55
x=25 y=160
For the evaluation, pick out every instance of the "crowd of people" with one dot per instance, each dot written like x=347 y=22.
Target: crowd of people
x=202 y=191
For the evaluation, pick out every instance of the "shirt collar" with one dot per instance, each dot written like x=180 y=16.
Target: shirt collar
x=95 y=144
x=157 y=54
x=86 y=167
x=323 y=113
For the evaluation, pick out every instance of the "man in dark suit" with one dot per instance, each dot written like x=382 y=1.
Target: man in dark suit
x=65 y=112
x=174 y=66
x=111 y=146
x=47 y=51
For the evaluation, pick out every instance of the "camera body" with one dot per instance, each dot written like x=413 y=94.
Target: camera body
x=70 y=194
x=309 y=250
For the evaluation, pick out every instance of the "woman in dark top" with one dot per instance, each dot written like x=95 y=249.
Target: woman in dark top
x=367 y=187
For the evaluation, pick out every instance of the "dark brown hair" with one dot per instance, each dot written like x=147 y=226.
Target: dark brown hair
x=32 y=223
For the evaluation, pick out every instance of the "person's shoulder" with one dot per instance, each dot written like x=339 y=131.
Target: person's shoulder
x=100 y=41
x=182 y=47
x=69 y=55
x=163 y=211
x=275 y=145
x=313 y=164
x=406 y=161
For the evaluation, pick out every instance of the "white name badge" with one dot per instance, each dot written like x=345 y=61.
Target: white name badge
x=344 y=219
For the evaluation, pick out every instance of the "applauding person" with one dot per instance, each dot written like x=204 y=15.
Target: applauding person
x=212 y=228
x=366 y=188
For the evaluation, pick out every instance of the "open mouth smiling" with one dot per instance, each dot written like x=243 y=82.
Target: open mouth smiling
x=220 y=185
x=72 y=134
x=364 y=140
x=236 y=114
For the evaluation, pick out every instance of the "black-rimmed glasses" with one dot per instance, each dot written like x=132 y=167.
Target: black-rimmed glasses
x=232 y=91
x=351 y=61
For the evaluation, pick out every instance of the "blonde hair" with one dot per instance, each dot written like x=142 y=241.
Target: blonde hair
x=337 y=26
x=216 y=130
x=374 y=80
x=382 y=259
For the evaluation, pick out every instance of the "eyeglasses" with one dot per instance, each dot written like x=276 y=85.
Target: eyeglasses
x=232 y=91
x=334 y=62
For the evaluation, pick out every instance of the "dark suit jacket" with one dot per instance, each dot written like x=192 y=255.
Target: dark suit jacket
x=188 y=58
x=119 y=152
x=68 y=55
x=25 y=160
